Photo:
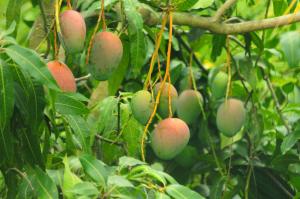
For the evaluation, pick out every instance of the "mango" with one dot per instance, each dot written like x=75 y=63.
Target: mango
x=163 y=106
x=189 y=105
x=73 y=30
x=231 y=117
x=169 y=138
x=106 y=55
x=187 y=157
x=63 y=76
x=142 y=106
x=219 y=85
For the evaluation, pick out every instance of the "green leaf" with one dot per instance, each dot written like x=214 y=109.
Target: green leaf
x=87 y=189
x=183 y=5
x=70 y=179
x=119 y=74
x=95 y=169
x=81 y=130
x=203 y=4
x=67 y=104
x=118 y=181
x=160 y=195
x=132 y=131
x=128 y=193
x=138 y=44
x=289 y=141
x=6 y=110
x=129 y=162
x=44 y=186
x=31 y=62
x=218 y=42
x=279 y=7
x=217 y=188
x=181 y=192
x=13 y=14
x=290 y=44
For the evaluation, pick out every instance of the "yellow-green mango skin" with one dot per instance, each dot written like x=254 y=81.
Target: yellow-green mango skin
x=106 y=55
x=163 y=106
x=169 y=138
x=231 y=117
x=142 y=106
x=219 y=85
x=189 y=105
x=73 y=30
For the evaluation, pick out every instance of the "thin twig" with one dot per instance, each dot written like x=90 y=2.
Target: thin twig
x=220 y=12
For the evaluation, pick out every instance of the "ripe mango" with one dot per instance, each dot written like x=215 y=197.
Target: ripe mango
x=73 y=30
x=106 y=55
x=63 y=76
x=169 y=138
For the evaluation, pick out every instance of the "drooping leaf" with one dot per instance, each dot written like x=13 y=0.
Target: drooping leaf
x=81 y=130
x=31 y=62
x=138 y=48
x=290 y=43
x=66 y=104
x=289 y=141
x=95 y=169
x=6 y=110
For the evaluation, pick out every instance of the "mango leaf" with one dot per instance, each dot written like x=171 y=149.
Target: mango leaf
x=160 y=195
x=70 y=179
x=138 y=43
x=181 y=192
x=290 y=43
x=289 y=141
x=95 y=169
x=31 y=62
x=217 y=188
x=66 y=104
x=203 y=4
x=6 y=110
x=279 y=7
x=129 y=162
x=119 y=74
x=44 y=186
x=118 y=181
x=13 y=14
x=183 y=5
x=128 y=193
x=218 y=42
x=81 y=130
x=86 y=189
x=132 y=131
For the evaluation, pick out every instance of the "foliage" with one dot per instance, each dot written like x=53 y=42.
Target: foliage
x=87 y=144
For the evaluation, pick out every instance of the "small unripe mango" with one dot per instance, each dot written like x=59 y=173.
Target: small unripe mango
x=63 y=76
x=169 y=138
x=142 y=106
x=73 y=30
x=231 y=117
x=189 y=105
x=106 y=55
x=163 y=106
x=219 y=85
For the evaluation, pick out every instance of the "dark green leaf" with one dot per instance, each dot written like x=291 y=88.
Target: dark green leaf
x=66 y=104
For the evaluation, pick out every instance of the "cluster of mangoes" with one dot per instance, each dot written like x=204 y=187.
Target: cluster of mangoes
x=106 y=52
x=171 y=135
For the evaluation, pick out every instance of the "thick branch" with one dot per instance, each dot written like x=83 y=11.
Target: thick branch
x=209 y=23
x=220 y=12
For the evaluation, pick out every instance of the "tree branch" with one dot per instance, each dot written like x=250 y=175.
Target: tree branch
x=220 y=12
x=180 y=18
